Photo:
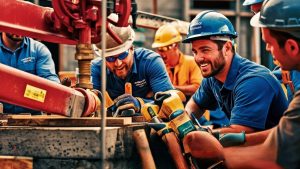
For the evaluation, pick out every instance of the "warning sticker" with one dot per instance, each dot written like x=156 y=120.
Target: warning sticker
x=35 y=93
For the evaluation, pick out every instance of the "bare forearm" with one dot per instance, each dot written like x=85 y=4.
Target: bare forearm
x=252 y=156
x=235 y=129
x=257 y=138
x=192 y=107
x=187 y=89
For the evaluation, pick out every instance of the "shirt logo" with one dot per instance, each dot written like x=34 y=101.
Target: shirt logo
x=27 y=59
x=141 y=83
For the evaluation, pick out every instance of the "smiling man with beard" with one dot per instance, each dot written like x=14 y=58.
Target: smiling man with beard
x=142 y=68
x=248 y=93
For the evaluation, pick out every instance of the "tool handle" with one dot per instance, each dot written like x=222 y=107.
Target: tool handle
x=142 y=145
x=128 y=88
x=175 y=150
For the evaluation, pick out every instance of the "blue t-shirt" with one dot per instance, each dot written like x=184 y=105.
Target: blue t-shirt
x=148 y=74
x=32 y=57
x=251 y=95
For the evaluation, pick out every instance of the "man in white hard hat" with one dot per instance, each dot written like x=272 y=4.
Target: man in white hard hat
x=143 y=68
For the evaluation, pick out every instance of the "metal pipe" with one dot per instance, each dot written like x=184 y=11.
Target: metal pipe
x=103 y=80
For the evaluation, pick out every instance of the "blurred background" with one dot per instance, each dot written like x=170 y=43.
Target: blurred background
x=249 y=43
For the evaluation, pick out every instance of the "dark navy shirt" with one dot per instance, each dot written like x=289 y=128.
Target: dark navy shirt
x=148 y=74
x=251 y=95
x=32 y=57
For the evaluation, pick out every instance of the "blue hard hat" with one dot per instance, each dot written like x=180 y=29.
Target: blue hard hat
x=209 y=23
x=252 y=2
x=278 y=14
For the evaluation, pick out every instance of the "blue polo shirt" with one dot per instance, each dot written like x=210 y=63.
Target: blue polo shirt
x=32 y=57
x=148 y=74
x=251 y=95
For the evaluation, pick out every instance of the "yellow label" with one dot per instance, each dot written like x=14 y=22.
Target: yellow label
x=35 y=93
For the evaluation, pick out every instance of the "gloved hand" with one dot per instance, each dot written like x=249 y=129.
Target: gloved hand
x=127 y=102
x=169 y=102
x=181 y=123
x=159 y=97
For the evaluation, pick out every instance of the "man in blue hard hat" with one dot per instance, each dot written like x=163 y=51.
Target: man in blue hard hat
x=248 y=93
x=291 y=79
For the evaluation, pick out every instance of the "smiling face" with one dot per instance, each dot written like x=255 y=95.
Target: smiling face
x=278 y=52
x=121 y=68
x=209 y=58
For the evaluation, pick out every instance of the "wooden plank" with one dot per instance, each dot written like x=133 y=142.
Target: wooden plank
x=59 y=121
x=138 y=119
x=16 y=162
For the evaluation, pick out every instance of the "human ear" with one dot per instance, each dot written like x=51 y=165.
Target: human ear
x=227 y=48
x=291 y=47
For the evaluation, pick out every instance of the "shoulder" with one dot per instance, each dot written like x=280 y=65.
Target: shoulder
x=145 y=54
x=248 y=70
x=258 y=83
x=35 y=42
x=97 y=61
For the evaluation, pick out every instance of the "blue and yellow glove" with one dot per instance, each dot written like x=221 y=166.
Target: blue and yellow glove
x=127 y=105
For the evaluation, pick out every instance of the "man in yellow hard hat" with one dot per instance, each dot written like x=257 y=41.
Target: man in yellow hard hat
x=183 y=71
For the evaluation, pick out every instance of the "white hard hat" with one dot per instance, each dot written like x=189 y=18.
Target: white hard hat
x=126 y=34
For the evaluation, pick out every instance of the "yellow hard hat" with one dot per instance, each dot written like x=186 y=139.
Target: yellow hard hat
x=165 y=36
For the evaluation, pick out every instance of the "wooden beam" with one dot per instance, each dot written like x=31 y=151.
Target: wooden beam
x=66 y=142
x=16 y=162
x=59 y=121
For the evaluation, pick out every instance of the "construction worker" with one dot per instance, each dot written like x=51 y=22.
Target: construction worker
x=248 y=93
x=291 y=79
x=143 y=68
x=28 y=55
x=183 y=71
x=281 y=147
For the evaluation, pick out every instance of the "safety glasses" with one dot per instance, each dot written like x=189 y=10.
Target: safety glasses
x=166 y=48
x=120 y=57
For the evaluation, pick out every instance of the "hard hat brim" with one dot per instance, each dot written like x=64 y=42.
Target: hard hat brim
x=255 y=21
x=251 y=2
x=118 y=49
x=158 y=45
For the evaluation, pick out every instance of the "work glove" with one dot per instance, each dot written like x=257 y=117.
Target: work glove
x=230 y=139
x=169 y=102
x=127 y=105
x=181 y=123
x=159 y=97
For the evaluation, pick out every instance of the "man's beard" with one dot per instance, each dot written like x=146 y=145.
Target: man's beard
x=216 y=66
x=14 y=37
